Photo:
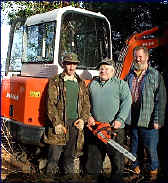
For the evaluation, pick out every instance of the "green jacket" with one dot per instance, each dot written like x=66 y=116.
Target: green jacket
x=56 y=101
x=152 y=100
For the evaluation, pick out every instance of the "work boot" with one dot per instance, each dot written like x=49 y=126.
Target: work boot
x=133 y=176
x=137 y=170
x=153 y=175
x=71 y=178
x=90 y=178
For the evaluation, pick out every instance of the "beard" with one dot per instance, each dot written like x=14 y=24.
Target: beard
x=139 y=67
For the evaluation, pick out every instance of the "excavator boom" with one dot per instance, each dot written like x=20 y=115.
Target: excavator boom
x=137 y=39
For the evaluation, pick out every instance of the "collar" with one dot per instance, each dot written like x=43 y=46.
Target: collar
x=102 y=83
x=139 y=73
x=106 y=80
x=70 y=78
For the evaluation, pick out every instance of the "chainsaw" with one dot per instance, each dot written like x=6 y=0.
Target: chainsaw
x=104 y=132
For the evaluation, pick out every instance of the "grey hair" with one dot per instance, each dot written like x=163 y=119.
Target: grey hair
x=144 y=48
x=111 y=66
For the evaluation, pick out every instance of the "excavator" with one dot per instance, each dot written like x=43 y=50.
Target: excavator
x=36 y=48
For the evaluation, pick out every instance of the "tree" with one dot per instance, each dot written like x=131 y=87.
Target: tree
x=129 y=17
x=18 y=9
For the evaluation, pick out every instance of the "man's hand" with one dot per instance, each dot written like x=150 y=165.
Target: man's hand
x=91 y=121
x=79 y=124
x=60 y=129
x=116 y=124
x=156 y=126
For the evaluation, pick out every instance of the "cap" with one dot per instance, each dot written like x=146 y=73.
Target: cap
x=106 y=61
x=70 y=57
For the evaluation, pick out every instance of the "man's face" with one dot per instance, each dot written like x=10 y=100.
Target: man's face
x=140 y=60
x=106 y=72
x=70 y=68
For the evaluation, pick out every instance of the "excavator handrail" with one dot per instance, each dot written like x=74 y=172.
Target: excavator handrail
x=147 y=32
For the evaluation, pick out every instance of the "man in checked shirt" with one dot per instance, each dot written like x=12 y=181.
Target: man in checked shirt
x=148 y=110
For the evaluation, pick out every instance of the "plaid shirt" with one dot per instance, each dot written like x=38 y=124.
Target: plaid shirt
x=136 y=86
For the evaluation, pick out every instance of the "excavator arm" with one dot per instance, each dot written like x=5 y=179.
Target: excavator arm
x=137 y=39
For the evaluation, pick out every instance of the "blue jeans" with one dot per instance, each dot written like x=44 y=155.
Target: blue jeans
x=166 y=151
x=148 y=138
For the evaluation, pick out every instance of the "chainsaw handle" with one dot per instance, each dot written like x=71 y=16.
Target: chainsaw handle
x=90 y=128
x=97 y=123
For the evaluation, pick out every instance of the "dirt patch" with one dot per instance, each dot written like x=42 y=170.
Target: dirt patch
x=11 y=165
x=13 y=170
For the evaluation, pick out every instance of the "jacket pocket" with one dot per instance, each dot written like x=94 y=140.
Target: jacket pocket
x=52 y=138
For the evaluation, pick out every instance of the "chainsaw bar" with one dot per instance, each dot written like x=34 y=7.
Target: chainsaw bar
x=118 y=147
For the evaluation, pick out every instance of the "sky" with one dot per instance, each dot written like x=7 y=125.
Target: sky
x=4 y=45
x=4 y=39
x=5 y=28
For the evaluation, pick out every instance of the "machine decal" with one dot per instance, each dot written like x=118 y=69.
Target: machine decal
x=34 y=93
x=12 y=96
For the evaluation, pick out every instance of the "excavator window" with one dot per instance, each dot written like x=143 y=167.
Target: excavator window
x=87 y=36
x=16 y=51
x=39 y=43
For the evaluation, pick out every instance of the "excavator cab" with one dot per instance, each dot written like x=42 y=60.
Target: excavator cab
x=44 y=38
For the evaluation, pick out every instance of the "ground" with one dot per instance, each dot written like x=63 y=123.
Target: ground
x=15 y=171
x=17 y=167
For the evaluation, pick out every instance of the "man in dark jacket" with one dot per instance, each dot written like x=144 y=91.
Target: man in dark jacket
x=148 y=109
x=68 y=110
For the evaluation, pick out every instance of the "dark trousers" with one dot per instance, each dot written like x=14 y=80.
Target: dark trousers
x=67 y=151
x=95 y=151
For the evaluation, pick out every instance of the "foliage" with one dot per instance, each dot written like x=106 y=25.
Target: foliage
x=15 y=9
x=129 y=17
x=124 y=16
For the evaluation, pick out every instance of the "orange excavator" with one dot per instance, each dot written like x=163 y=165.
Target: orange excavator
x=43 y=39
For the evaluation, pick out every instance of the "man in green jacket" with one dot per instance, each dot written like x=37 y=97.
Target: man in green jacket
x=148 y=110
x=110 y=100
x=68 y=110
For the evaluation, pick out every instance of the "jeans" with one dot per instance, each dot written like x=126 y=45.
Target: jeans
x=147 y=138
x=166 y=151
